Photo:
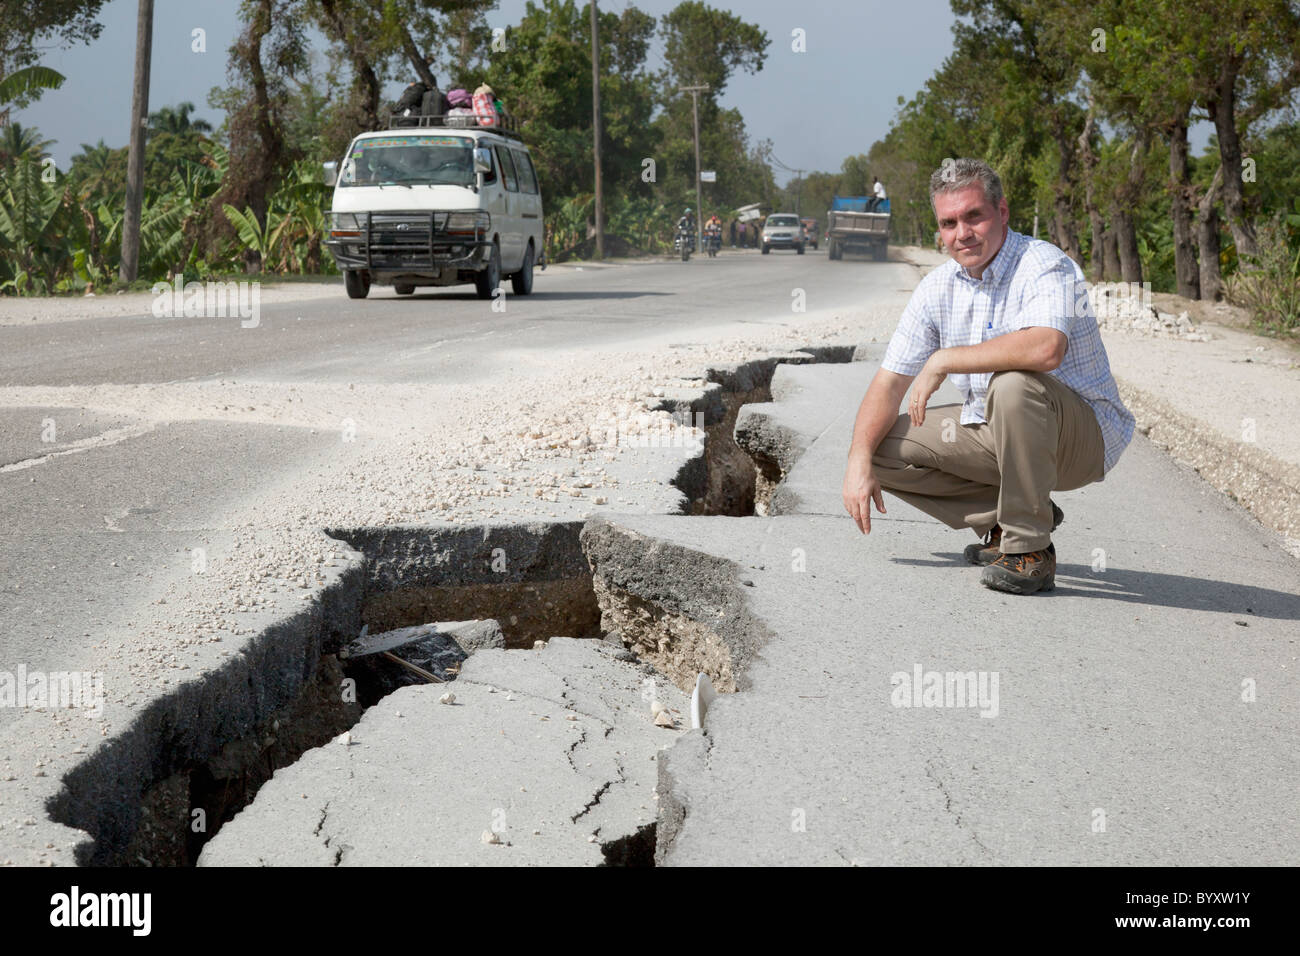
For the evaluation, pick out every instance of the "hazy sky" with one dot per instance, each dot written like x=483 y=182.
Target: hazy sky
x=817 y=107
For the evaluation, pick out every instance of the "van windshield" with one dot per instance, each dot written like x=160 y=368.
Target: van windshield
x=412 y=160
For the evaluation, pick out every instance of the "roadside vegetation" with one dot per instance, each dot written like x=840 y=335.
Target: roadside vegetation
x=1084 y=111
x=1083 y=108
x=249 y=198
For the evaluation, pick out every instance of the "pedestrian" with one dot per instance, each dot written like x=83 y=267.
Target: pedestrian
x=744 y=228
x=1042 y=412
x=733 y=233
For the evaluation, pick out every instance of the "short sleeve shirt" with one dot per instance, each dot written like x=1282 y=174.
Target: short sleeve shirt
x=1028 y=283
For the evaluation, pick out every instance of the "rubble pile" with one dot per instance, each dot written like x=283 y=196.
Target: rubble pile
x=1121 y=307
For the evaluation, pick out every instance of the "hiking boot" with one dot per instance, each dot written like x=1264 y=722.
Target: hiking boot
x=1022 y=573
x=991 y=548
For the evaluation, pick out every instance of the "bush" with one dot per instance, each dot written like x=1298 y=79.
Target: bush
x=1269 y=284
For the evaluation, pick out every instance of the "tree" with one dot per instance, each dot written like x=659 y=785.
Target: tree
x=1031 y=44
x=271 y=50
x=704 y=46
x=1245 y=58
x=18 y=142
x=176 y=120
x=26 y=24
x=544 y=78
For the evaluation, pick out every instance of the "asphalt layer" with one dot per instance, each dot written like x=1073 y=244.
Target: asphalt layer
x=104 y=511
x=1123 y=732
x=1144 y=710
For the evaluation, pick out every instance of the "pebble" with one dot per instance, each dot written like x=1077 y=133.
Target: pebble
x=447 y=698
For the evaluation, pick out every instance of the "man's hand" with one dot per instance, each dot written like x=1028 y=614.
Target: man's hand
x=927 y=383
x=861 y=487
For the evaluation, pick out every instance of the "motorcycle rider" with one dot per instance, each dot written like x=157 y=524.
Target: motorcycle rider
x=713 y=230
x=685 y=230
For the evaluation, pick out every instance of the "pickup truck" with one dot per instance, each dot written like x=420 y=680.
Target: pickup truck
x=858 y=224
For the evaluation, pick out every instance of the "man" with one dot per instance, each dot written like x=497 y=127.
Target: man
x=1009 y=319
x=713 y=230
x=878 y=188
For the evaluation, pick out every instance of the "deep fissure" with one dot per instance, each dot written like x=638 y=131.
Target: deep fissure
x=158 y=792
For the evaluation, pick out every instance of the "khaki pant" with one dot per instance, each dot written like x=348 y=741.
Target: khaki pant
x=1040 y=437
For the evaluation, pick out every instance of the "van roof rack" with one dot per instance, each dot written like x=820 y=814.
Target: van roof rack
x=505 y=124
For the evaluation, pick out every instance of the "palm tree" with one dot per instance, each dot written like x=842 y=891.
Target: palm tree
x=176 y=119
x=21 y=142
x=92 y=167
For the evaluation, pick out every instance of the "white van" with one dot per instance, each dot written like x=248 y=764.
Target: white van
x=436 y=205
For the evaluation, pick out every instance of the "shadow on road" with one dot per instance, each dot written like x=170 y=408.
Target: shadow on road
x=1154 y=589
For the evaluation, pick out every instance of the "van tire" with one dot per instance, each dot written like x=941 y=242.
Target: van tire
x=357 y=283
x=487 y=280
x=522 y=281
x=403 y=288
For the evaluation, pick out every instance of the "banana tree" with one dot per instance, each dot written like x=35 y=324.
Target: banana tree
x=28 y=210
x=261 y=238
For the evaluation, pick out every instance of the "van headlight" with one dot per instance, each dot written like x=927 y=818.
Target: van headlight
x=468 y=223
x=344 y=225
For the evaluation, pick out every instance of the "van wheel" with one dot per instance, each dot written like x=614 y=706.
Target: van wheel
x=487 y=280
x=522 y=281
x=357 y=283
x=403 y=288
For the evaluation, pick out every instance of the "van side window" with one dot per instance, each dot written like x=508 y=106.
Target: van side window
x=507 y=168
x=491 y=175
x=527 y=175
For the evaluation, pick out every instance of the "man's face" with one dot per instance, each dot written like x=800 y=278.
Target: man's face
x=972 y=228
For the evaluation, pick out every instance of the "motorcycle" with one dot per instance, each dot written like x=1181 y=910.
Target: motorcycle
x=685 y=243
x=712 y=243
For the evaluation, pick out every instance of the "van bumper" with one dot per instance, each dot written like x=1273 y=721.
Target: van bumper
x=409 y=242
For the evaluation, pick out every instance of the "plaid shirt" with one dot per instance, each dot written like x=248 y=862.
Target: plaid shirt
x=1028 y=283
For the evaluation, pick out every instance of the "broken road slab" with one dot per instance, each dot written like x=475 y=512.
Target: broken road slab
x=552 y=751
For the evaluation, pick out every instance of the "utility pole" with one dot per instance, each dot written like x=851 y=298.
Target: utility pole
x=130 y=267
x=595 y=132
x=699 y=201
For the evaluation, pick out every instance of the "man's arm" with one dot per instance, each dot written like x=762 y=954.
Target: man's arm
x=876 y=416
x=1037 y=349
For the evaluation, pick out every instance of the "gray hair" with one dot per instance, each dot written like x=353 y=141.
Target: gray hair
x=957 y=174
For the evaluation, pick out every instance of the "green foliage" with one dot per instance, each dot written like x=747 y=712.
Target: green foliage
x=27 y=82
x=1269 y=283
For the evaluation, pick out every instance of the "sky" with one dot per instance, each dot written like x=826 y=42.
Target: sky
x=818 y=106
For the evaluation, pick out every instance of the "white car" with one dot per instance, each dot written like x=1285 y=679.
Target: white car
x=783 y=231
x=435 y=206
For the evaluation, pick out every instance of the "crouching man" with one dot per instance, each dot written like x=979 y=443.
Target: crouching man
x=1009 y=320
